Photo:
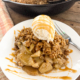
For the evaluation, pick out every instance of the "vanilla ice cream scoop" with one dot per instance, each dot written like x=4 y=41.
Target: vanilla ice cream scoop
x=43 y=28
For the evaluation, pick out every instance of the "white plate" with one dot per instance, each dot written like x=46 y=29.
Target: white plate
x=7 y=44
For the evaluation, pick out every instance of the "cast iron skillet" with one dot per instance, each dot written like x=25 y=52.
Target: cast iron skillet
x=49 y=9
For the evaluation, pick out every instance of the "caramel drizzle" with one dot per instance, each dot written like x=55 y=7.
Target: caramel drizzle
x=13 y=48
x=24 y=27
x=11 y=60
x=16 y=73
x=13 y=66
x=12 y=54
x=70 y=51
x=62 y=77
x=42 y=24
x=18 y=30
x=11 y=70
x=69 y=69
x=46 y=28
x=14 y=32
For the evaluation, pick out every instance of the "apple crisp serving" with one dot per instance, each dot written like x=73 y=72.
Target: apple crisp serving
x=39 y=55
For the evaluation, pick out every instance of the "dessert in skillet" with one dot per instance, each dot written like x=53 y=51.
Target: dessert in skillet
x=38 y=2
x=40 y=49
